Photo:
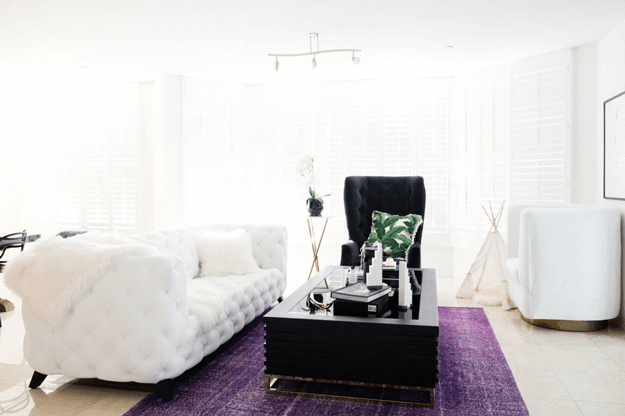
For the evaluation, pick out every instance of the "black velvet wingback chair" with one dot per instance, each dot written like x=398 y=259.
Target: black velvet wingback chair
x=399 y=195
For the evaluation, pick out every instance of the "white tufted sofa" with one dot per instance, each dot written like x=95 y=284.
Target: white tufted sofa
x=135 y=324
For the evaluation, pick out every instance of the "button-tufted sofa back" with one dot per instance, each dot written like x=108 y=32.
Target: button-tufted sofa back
x=268 y=242
x=400 y=195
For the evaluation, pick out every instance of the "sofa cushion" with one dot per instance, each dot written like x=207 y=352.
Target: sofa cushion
x=226 y=253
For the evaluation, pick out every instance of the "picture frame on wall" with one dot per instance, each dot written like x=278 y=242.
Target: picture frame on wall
x=614 y=147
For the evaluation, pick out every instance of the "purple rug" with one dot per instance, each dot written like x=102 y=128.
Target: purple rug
x=474 y=379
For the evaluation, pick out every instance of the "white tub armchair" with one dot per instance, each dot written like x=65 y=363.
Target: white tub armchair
x=564 y=265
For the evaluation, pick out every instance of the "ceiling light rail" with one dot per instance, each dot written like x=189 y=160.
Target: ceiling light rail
x=314 y=53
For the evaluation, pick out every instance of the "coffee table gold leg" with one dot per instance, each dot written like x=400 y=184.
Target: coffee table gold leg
x=269 y=382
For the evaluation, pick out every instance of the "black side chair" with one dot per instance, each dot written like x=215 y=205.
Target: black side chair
x=399 y=195
x=15 y=240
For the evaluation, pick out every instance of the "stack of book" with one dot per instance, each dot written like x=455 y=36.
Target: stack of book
x=357 y=300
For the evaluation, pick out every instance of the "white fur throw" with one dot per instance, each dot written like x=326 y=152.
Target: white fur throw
x=52 y=275
x=205 y=301
x=226 y=253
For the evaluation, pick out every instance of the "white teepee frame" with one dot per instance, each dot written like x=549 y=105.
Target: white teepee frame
x=494 y=223
x=490 y=261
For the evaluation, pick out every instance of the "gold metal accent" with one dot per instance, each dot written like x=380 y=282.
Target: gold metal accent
x=6 y=305
x=315 y=246
x=562 y=325
x=271 y=379
x=323 y=306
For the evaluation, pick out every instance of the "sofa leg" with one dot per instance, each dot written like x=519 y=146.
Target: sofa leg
x=37 y=380
x=166 y=389
x=280 y=299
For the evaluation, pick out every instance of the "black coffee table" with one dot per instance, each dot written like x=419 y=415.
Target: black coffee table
x=307 y=351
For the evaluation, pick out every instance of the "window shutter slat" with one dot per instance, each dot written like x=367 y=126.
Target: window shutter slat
x=539 y=134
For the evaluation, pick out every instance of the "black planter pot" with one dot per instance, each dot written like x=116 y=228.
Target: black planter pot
x=315 y=206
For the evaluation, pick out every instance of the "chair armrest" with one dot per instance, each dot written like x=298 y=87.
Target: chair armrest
x=350 y=254
x=413 y=255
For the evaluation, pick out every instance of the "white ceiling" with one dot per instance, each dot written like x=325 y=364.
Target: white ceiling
x=230 y=39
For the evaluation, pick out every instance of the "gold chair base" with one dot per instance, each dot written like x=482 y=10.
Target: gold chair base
x=271 y=380
x=562 y=325
x=6 y=305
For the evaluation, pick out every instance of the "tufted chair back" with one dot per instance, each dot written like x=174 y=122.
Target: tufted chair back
x=399 y=195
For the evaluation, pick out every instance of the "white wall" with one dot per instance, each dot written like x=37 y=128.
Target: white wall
x=583 y=124
x=610 y=82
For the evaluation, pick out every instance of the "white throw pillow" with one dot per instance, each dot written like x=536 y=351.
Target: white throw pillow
x=226 y=253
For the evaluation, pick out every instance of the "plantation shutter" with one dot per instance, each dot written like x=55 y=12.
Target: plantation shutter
x=295 y=142
x=539 y=133
x=433 y=133
x=399 y=144
x=365 y=127
x=112 y=135
x=87 y=177
x=352 y=128
x=214 y=151
x=264 y=162
x=68 y=197
x=198 y=150
x=329 y=132
x=494 y=128
x=52 y=193
x=466 y=167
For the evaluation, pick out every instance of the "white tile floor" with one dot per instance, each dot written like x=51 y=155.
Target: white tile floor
x=558 y=373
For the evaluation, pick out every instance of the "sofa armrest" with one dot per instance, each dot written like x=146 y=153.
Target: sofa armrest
x=270 y=245
x=413 y=255
x=350 y=254
x=133 y=325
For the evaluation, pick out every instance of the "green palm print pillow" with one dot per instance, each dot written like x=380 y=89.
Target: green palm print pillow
x=394 y=231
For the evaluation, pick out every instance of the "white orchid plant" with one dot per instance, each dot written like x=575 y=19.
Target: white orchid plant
x=306 y=170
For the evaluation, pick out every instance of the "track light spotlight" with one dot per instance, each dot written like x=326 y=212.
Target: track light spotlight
x=355 y=59
x=277 y=64
x=314 y=62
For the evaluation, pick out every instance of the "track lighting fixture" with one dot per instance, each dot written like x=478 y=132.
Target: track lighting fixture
x=315 y=37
